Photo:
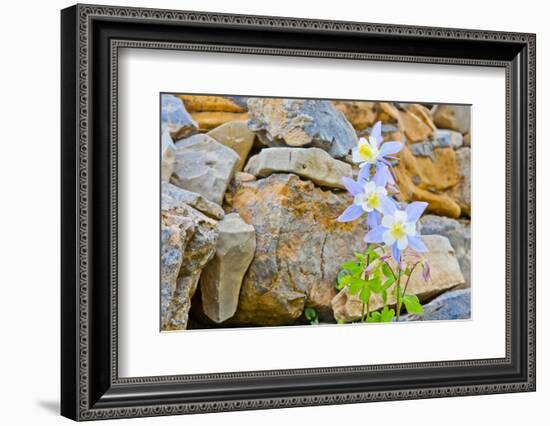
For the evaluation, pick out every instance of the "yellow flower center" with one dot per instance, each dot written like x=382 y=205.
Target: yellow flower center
x=365 y=151
x=374 y=201
x=397 y=231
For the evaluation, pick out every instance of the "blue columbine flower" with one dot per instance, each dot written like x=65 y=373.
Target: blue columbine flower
x=398 y=228
x=369 y=197
x=371 y=152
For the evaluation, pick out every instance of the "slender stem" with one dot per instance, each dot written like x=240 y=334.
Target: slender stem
x=409 y=277
x=368 y=310
x=363 y=313
x=391 y=269
x=397 y=294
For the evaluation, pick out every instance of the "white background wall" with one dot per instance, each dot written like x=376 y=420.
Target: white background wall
x=29 y=212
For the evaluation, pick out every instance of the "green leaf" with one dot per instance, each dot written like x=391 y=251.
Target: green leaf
x=352 y=266
x=384 y=296
x=365 y=294
x=361 y=257
x=386 y=315
x=310 y=314
x=407 y=271
x=356 y=284
x=388 y=283
x=343 y=279
x=412 y=304
x=340 y=321
x=387 y=270
x=374 y=317
x=374 y=284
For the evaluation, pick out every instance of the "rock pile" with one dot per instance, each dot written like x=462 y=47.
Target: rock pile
x=251 y=189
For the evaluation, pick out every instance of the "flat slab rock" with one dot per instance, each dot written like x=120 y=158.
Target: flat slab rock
x=173 y=197
x=452 y=305
x=299 y=248
x=222 y=277
x=175 y=118
x=301 y=122
x=310 y=163
x=235 y=135
x=204 y=166
x=445 y=274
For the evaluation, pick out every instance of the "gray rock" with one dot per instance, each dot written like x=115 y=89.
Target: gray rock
x=204 y=166
x=310 y=163
x=168 y=156
x=452 y=305
x=454 y=117
x=445 y=275
x=235 y=135
x=221 y=278
x=199 y=248
x=299 y=123
x=458 y=233
x=446 y=137
x=175 y=118
x=173 y=197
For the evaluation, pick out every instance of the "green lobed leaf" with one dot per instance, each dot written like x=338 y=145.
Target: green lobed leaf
x=355 y=286
x=412 y=304
x=364 y=295
x=374 y=317
x=386 y=315
x=386 y=270
x=352 y=267
x=310 y=314
x=374 y=284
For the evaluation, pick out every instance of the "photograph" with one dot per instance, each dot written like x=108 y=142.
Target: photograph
x=282 y=211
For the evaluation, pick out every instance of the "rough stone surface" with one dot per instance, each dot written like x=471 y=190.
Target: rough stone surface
x=454 y=117
x=445 y=274
x=360 y=114
x=458 y=233
x=428 y=176
x=298 y=123
x=204 y=166
x=453 y=305
x=222 y=277
x=450 y=138
x=201 y=239
x=173 y=197
x=235 y=135
x=462 y=192
x=310 y=163
x=299 y=248
x=175 y=118
x=168 y=156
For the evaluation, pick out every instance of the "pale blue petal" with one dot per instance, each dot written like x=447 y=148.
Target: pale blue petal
x=353 y=187
x=390 y=148
x=396 y=253
x=373 y=219
x=382 y=167
x=375 y=235
x=415 y=209
x=417 y=245
x=388 y=206
x=364 y=173
x=380 y=177
x=376 y=133
x=351 y=213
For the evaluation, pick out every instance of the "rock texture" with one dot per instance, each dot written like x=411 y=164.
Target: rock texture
x=428 y=176
x=172 y=197
x=309 y=163
x=453 y=305
x=235 y=135
x=462 y=193
x=175 y=118
x=458 y=233
x=360 y=114
x=445 y=137
x=222 y=277
x=299 y=123
x=200 y=103
x=454 y=117
x=204 y=166
x=445 y=274
x=197 y=247
x=299 y=248
x=167 y=155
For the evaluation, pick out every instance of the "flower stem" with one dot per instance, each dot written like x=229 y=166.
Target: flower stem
x=397 y=295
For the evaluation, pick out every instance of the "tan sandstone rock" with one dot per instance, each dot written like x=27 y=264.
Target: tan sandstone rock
x=235 y=135
x=311 y=163
x=222 y=277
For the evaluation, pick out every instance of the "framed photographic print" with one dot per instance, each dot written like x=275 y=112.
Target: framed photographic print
x=263 y=212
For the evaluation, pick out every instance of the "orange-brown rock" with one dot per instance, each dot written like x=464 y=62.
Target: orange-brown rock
x=425 y=178
x=414 y=120
x=208 y=120
x=299 y=248
x=197 y=103
x=360 y=114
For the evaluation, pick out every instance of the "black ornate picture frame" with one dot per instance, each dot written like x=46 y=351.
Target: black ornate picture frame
x=91 y=387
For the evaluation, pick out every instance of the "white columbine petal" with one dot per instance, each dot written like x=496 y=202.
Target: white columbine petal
x=388 y=221
x=402 y=243
x=410 y=228
x=387 y=237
